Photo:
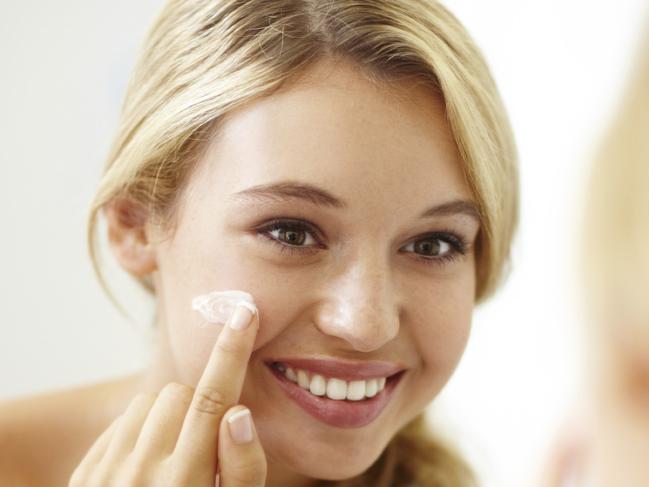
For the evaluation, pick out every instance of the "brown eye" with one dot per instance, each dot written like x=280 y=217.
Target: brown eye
x=293 y=235
x=290 y=236
x=435 y=248
x=432 y=247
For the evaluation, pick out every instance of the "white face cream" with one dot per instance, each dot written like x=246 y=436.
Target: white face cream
x=217 y=306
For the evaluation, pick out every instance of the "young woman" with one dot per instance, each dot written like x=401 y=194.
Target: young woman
x=349 y=165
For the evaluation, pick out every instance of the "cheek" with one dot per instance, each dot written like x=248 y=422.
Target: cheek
x=195 y=271
x=442 y=331
x=447 y=342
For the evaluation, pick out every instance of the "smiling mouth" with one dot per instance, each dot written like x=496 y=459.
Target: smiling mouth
x=334 y=401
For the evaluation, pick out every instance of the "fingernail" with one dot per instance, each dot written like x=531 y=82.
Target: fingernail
x=242 y=315
x=240 y=424
x=217 y=480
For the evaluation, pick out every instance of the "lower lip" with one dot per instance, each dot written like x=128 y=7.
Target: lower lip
x=342 y=414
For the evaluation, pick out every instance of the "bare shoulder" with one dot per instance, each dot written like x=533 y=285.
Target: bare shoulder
x=44 y=436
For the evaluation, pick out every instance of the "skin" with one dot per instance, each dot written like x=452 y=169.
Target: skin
x=360 y=291
x=172 y=438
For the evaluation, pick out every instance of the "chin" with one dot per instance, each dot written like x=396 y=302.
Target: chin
x=324 y=460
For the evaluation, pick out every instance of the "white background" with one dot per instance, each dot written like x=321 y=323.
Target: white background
x=560 y=66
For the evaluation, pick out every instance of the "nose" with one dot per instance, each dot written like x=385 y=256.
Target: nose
x=363 y=307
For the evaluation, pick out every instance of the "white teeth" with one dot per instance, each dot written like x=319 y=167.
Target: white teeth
x=290 y=373
x=302 y=379
x=371 y=387
x=317 y=385
x=356 y=390
x=336 y=389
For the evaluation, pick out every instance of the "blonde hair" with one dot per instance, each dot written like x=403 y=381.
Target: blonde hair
x=203 y=59
x=615 y=260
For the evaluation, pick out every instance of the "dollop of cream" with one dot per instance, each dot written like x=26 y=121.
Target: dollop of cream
x=217 y=306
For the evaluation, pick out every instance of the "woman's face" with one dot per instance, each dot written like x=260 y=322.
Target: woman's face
x=367 y=278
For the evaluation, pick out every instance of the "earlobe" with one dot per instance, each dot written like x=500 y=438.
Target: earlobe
x=128 y=238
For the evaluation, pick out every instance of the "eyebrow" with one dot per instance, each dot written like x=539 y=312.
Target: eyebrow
x=285 y=191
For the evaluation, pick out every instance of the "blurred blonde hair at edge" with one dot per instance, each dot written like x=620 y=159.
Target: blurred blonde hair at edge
x=616 y=271
x=616 y=238
x=202 y=59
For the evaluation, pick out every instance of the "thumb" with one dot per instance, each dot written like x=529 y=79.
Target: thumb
x=242 y=461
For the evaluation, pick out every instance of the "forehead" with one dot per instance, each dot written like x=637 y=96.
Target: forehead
x=370 y=144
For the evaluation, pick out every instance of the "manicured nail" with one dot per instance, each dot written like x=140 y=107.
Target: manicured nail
x=240 y=424
x=242 y=315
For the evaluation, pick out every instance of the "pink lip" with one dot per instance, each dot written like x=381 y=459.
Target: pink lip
x=342 y=414
x=348 y=371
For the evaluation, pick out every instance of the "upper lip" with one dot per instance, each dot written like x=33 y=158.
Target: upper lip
x=343 y=369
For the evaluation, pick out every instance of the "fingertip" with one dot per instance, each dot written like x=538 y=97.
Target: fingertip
x=250 y=305
x=255 y=319
x=240 y=425
x=254 y=310
x=255 y=313
x=241 y=455
x=243 y=316
x=237 y=408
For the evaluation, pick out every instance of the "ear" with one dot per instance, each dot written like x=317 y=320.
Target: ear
x=128 y=236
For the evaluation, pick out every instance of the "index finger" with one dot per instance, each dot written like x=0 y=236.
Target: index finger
x=219 y=387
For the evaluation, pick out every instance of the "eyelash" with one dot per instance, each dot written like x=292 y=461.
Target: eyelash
x=457 y=244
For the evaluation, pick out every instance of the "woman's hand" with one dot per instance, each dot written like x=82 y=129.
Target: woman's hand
x=182 y=436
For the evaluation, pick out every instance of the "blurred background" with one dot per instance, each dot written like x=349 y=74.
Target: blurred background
x=561 y=67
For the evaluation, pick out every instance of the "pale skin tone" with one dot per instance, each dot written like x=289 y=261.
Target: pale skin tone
x=373 y=280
